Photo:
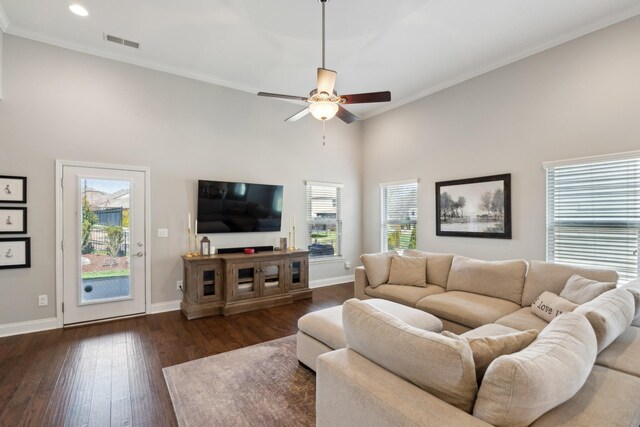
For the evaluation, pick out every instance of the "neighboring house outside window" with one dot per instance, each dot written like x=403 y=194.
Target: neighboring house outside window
x=593 y=212
x=399 y=215
x=324 y=220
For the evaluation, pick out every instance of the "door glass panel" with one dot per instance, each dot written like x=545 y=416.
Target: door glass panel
x=209 y=282
x=271 y=276
x=295 y=271
x=246 y=280
x=105 y=239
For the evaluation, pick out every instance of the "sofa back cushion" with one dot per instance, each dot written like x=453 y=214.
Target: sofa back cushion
x=377 y=267
x=519 y=388
x=548 y=276
x=498 y=279
x=609 y=314
x=438 y=265
x=440 y=365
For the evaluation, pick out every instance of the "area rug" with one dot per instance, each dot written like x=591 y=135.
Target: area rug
x=261 y=385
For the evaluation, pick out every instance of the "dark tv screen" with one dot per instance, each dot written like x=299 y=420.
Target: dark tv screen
x=238 y=207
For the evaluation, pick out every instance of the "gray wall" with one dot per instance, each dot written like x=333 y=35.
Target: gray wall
x=61 y=104
x=579 y=99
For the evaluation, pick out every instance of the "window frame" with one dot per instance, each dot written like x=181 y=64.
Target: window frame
x=384 y=247
x=338 y=255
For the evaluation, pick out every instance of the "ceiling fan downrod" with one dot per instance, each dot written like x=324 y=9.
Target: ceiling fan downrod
x=324 y=2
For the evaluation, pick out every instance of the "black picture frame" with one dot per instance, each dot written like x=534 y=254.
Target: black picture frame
x=486 y=216
x=19 y=193
x=6 y=217
x=22 y=255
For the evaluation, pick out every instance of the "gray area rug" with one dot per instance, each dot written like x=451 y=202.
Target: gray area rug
x=261 y=385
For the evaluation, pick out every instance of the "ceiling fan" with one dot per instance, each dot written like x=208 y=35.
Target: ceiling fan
x=325 y=103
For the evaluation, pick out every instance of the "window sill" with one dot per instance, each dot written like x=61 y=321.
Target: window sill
x=326 y=260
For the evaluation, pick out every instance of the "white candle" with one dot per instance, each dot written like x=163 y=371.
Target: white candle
x=189 y=221
x=196 y=226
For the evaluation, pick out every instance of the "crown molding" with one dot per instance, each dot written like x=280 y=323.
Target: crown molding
x=535 y=49
x=4 y=20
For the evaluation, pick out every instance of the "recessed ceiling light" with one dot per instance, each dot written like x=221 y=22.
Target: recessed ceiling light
x=79 y=10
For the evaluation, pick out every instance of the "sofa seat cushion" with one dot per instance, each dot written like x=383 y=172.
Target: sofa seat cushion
x=439 y=365
x=326 y=325
x=407 y=295
x=519 y=388
x=522 y=320
x=498 y=279
x=548 y=276
x=623 y=354
x=608 y=398
x=467 y=309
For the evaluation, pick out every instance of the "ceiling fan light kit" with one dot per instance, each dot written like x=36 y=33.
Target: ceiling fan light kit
x=325 y=103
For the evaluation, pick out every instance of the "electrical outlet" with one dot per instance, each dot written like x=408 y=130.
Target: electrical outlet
x=179 y=284
x=163 y=232
x=43 y=300
x=347 y=265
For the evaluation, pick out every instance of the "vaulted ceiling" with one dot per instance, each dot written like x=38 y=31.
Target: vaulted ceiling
x=410 y=47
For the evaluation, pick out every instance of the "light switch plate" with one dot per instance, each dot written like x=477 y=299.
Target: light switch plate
x=163 y=232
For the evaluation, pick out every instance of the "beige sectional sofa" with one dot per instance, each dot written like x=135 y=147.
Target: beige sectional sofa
x=484 y=298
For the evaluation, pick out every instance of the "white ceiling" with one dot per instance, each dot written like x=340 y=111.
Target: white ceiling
x=410 y=47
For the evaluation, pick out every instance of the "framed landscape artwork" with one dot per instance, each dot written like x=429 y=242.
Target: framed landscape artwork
x=13 y=189
x=13 y=220
x=474 y=207
x=15 y=252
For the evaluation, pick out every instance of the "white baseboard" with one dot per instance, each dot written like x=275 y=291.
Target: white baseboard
x=29 y=326
x=162 y=307
x=331 y=281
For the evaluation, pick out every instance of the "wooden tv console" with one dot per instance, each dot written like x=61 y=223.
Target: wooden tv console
x=238 y=282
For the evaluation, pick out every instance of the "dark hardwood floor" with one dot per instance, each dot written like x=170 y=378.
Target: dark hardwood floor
x=110 y=374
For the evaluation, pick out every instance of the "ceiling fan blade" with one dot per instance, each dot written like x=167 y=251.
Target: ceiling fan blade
x=362 y=98
x=277 y=95
x=298 y=115
x=345 y=115
x=326 y=80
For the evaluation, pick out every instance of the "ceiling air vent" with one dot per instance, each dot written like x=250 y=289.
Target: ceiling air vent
x=114 y=39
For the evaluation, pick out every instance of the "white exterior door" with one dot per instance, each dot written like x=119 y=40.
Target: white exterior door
x=103 y=243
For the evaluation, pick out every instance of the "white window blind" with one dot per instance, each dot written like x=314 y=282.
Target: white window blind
x=593 y=213
x=324 y=219
x=399 y=215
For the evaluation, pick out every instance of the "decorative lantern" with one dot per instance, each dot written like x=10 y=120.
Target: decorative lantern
x=205 y=246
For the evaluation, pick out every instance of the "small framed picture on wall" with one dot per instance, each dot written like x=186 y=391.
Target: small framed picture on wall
x=13 y=220
x=13 y=189
x=15 y=252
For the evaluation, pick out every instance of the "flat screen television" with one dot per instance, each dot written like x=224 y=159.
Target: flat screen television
x=238 y=207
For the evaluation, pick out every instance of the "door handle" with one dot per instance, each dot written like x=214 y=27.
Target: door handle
x=139 y=254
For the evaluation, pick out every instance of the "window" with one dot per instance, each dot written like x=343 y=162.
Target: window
x=399 y=215
x=593 y=212
x=324 y=219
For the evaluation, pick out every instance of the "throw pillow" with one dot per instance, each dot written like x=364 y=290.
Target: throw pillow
x=548 y=306
x=580 y=290
x=487 y=349
x=440 y=365
x=411 y=271
x=520 y=387
x=377 y=267
x=609 y=314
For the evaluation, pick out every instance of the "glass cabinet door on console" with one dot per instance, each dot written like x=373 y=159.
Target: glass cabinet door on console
x=297 y=273
x=209 y=277
x=243 y=280
x=272 y=277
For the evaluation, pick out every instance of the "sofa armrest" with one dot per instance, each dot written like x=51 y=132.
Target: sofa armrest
x=360 y=283
x=352 y=390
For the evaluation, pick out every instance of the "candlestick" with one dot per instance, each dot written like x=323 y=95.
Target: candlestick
x=189 y=254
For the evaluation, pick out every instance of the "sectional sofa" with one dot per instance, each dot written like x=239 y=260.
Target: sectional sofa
x=590 y=374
